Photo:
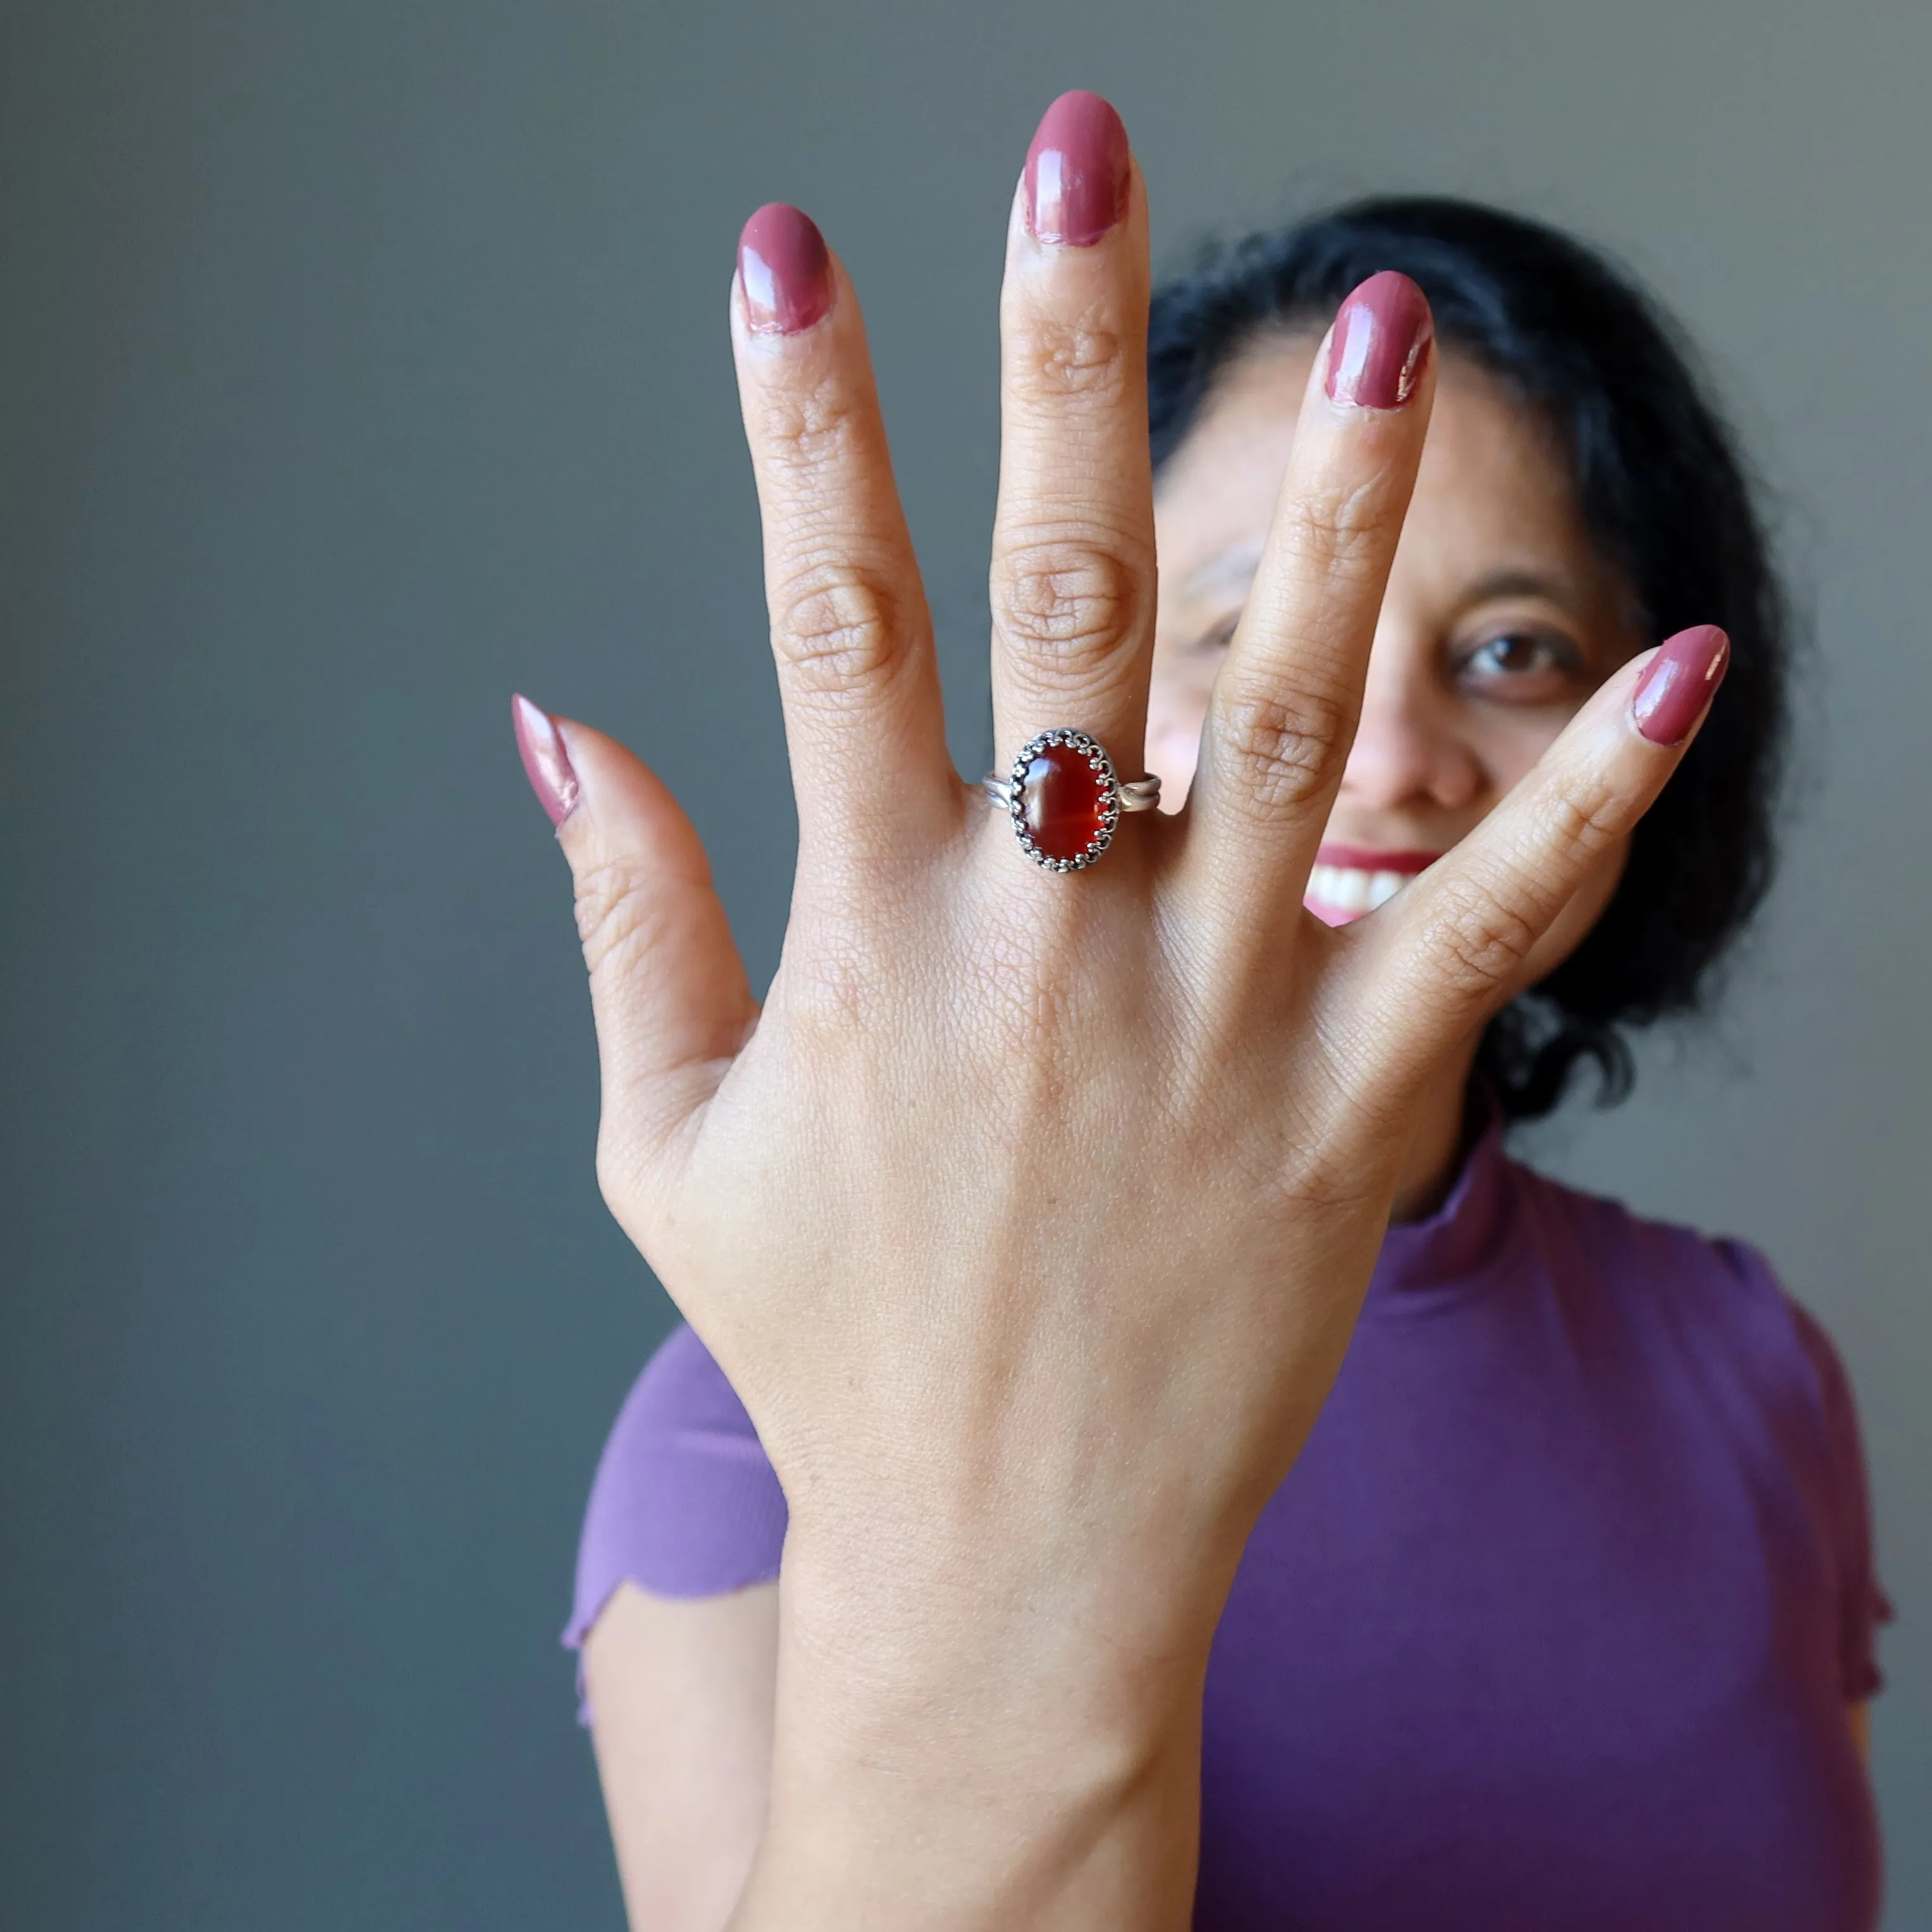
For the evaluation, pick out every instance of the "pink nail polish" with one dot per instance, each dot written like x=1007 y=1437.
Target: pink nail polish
x=1381 y=343
x=786 y=270
x=1679 y=682
x=1076 y=172
x=546 y=763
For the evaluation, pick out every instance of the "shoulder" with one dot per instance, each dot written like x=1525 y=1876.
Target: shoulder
x=1699 y=1321
x=1709 y=1314
x=1703 y=1289
x=684 y=1503
x=1559 y=1211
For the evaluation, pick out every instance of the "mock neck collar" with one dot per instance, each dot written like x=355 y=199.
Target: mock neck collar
x=1456 y=1246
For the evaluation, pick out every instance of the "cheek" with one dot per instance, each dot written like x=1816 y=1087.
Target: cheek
x=1177 y=709
x=1509 y=743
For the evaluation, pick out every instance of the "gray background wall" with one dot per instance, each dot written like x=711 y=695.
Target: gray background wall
x=358 y=362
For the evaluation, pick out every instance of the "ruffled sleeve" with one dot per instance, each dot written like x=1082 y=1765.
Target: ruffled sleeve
x=684 y=1503
x=1863 y=1606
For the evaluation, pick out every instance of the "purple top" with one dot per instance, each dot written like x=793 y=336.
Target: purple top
x=1554 y=1624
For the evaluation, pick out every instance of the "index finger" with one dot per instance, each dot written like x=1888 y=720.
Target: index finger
x=1285 y=705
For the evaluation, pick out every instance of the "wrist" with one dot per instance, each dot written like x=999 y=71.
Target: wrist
x=997 y=1627
x=969 y=1749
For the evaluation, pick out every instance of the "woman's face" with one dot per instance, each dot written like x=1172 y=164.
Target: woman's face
x=1500 y=620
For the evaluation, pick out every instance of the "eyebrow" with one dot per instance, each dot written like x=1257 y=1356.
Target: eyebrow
x=1232 y=573
x=1232 y=570
x=1501 y=583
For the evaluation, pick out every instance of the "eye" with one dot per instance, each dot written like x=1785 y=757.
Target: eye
x=1218 y=637
x=1523 y=665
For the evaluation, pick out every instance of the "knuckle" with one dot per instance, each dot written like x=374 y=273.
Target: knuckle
x=1582 y=825
x=1072 y=601
x=812 y=423
x=618 y=920
x=1482 y=940
x=835 y=625
x=1054 y=361
x=838 y=997
x=844 y=980
x=838 y=618
x=1278 y=748
x=1337 y=533
x=617 y=1173
x=629 y=1153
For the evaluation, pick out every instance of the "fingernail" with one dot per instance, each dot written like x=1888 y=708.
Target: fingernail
x=785 y=268
x=1380 y=344
x=1679 y=682
x=1076 y=172
x=546 y=763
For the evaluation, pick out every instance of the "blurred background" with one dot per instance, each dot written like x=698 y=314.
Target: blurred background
x=361 y=362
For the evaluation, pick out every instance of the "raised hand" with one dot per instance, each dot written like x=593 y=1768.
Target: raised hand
x=1030 y=1217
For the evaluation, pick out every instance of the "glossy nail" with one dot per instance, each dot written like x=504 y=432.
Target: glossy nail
x=1679 y=682
x=546 y=763
x=1380 y=344
x=1076 y=172
x=785 y=268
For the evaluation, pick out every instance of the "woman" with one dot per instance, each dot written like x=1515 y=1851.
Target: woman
x=1030 y=1222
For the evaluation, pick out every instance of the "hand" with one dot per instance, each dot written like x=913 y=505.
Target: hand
x=1030 y=1217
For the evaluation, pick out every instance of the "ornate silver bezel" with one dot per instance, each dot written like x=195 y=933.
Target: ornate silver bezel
x=1110 y=814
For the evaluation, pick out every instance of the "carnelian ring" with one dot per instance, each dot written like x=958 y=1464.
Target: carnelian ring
x=1065 y=798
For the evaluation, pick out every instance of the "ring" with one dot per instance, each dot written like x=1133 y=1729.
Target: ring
x=1065 y=798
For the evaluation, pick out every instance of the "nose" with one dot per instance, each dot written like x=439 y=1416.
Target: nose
x=1408 y=751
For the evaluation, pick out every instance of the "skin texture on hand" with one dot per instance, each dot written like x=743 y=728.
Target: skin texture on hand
x=1030 y=1216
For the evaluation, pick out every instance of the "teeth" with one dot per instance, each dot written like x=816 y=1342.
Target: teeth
x=1347 y=889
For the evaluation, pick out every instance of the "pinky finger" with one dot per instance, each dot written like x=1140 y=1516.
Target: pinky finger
x=668 y=990
x=1465 y=938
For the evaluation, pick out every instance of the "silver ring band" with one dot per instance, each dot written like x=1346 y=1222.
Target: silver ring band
x=1064 y=798
x=1136 y=794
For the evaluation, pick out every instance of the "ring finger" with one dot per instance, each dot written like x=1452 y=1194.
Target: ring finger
x=1073 y=572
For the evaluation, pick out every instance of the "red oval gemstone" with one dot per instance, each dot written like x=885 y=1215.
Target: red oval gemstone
x=1066 y=799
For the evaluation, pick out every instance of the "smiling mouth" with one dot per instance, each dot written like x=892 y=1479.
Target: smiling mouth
x=1348 y=882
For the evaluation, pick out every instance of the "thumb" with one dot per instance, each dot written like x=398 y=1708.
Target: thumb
x=667 y=988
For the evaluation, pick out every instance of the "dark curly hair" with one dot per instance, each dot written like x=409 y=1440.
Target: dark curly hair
x=1662 y=495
